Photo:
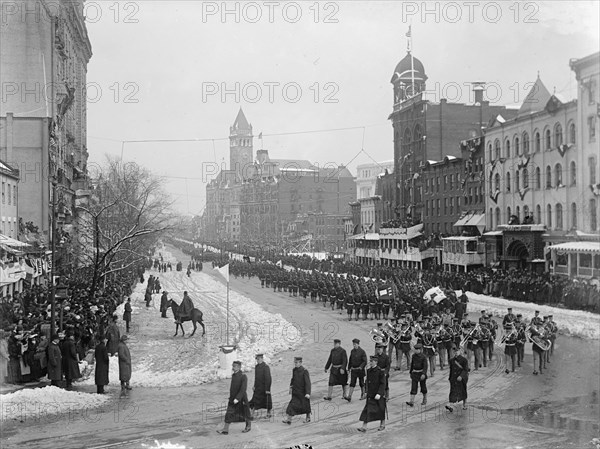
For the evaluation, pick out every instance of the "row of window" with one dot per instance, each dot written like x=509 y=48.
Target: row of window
x=554 y=219
x=9 y=228
x=554 y=177
x=433 y=207
x=9 y=193
x=521 y=143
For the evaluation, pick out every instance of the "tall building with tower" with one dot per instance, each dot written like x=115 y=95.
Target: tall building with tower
x=241 y=156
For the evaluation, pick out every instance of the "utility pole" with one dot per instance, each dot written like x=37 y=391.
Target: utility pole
x=53 y=257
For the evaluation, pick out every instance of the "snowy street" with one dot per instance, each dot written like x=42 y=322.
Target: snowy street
x=177 y=397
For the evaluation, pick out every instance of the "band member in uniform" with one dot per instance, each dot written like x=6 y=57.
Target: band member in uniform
x=553 y=332
x=300 y=390
x=456 y=332
x=418 y=375
x=538 y=352
x=365 y=306
x=375 y=405
x=445 y=348
x=261 y=398
x=458 y=377
x=429 y=349
x=237 y=407
x=350 y=306
x=338 y=361
x=521 y=340
x=484 y=342
x=384 y=363
x=509 y=317
x=510 y=346
x=537 y=319
x=356 y=366
x=405 y=340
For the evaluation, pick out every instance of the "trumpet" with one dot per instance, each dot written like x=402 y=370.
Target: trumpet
x=505 y=337
x=464 y=340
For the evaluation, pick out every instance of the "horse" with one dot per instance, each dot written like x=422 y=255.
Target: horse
x=196 y=317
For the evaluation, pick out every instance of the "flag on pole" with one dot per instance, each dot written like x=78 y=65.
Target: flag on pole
x=409 y=33
x=279 y=264
x=260 y=136
x=224 y=271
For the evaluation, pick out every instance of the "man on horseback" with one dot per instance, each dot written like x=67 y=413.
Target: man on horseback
x=186 y=307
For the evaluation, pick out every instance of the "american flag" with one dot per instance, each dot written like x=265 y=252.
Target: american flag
x=409 y=34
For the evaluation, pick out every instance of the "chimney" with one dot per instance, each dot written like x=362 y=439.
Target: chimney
x=478 y=88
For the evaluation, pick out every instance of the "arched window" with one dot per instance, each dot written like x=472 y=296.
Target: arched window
x=497 y=216
x=559 y=216
x=407 y=140
x=496 y=182
x=538 y=214
x=558 y=135
x=417 y=139
x=497 y=149
x=573 y=216
x=549 y=216
x=508 y=214
x=490 y=154
x=525 y=178
x=538 y=143
x=593 y=215
x=517 y=182
x=525 y=212
x=518 y=213
x=507 y=148
x=517 y=148
x=558 y=174
x=525 y=143
x=538 y=178
x=548 y=139
x=548 y=177
x=573 y=173
x=491 y=215
x=572 y=134
x=508 y=181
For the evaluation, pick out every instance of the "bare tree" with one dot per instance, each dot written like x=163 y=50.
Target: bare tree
x=125 y=215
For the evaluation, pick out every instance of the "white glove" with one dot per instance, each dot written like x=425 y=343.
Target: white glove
x=307 y=396
x=377 y=397
x=235 y=401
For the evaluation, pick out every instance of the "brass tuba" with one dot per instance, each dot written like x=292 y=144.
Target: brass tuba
x=391 y=331
x=378 y=336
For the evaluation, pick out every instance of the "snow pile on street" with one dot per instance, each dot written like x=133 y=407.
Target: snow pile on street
x=575 y=323
x=38 y=403
x=163 y=445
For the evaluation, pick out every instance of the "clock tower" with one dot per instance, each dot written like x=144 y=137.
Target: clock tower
x=240 y=146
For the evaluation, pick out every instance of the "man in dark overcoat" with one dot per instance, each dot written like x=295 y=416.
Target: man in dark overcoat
x=101 y=369
x=261 y=397
x=356 y=366
x=127 y=314
x=54 y=361
x=237 y=406
x=338 y=362
x=458 y=377
x=124 y=365
x=71 y=361
x=164 y=304
x=114 y=336
x=300 y=388
x=418 y=375
x=375 y=405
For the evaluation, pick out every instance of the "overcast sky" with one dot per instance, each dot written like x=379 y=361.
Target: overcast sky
x=159 y=68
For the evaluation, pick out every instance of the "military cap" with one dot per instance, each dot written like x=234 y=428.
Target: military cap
x=237 y=362
x=297 y=359
x=337 y=340
x=418 y=346
x=258 y=355
x=519 y=315
x=374 y=357
x=356 y=340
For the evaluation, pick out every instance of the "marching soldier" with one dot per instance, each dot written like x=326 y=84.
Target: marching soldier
x=350 y=306
x=520 y=344
x=537 y=319
x=237 y=407
x=418 y=375
x=356 y=366
x=510 y=346
x=405 y=340
x=375 y=405
x=553 y=332
x=338 y=361
x=300 y=388
x=429 y=349
x=484 y=342
x=261 y=398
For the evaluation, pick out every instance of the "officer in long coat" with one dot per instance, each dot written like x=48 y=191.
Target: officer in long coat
x=54 y=361
x=458 y=377
x=300 y=388
x=356 y=366
x=261 y=397
x=338 y=362
x=375 y=405
x=237 y=406
x=101 y=368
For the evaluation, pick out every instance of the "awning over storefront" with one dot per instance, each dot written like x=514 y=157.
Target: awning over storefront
x=5 y=240
x=371 y=236
x=576 y=247
x=492 y=233
x=477 y=220
x=463 y=220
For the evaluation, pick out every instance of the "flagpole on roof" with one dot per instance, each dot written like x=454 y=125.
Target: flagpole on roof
x=412 y=62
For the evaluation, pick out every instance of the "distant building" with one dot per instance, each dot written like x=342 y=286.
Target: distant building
x=9 y=210
x=43 y=131
x=366 y=177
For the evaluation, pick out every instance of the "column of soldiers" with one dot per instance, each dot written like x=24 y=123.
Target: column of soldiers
x=434 y=338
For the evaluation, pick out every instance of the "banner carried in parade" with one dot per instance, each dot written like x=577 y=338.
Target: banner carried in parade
x=224 y=271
